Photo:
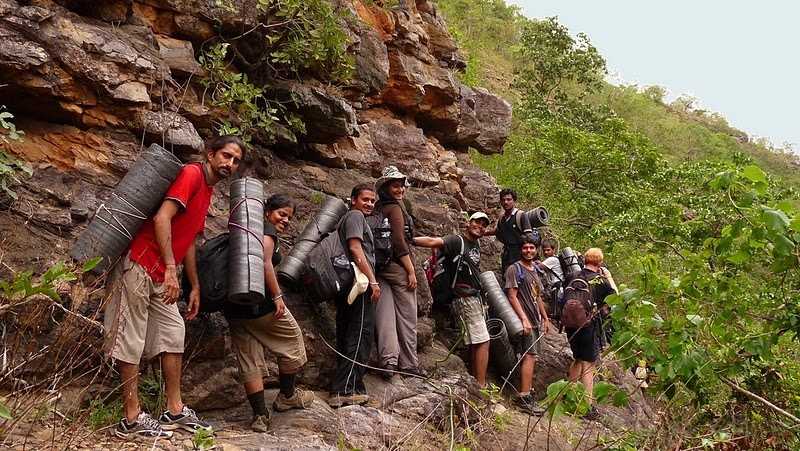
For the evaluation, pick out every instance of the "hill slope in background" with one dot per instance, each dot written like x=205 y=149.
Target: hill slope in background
x=487 y=31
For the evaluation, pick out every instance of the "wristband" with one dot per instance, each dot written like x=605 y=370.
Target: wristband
x=277 y=297
x=374 y=283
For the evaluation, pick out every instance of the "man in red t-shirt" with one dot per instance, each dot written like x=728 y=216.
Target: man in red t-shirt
x=142 y=317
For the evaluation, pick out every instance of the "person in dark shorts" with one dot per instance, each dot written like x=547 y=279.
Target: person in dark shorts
x=269 y=325
x=587 y=342
x=525 y=296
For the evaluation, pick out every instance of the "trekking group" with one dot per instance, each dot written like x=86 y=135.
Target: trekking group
x=547 y=291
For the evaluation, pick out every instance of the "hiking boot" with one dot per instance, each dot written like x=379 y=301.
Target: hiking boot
x=389 y=371
x=337 y=400
x=592 y=415
x=260 y=423
x=527 y=404
x=186 y=420
x=300 y=400
x=145 y=426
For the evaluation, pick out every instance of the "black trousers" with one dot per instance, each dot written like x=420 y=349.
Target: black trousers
x=355 y=335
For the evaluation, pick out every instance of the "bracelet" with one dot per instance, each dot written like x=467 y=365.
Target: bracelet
x=374 y=283
x=277 y=297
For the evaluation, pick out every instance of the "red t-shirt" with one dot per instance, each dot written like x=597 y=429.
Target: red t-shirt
x=192 y=192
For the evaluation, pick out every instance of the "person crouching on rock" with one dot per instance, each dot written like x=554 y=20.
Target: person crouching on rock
x=525 y=296
x=142 y=317
x=355 y=316
x=396 y=313
x=467 y=305
x=269 y=325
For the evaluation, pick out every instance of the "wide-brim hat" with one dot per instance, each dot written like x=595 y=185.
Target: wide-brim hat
x=390 y=173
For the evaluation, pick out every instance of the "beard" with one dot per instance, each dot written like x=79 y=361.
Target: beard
x=223 y=173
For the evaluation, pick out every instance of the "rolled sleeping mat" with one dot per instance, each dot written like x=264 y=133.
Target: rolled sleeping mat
x=538 y=217
x=499 y=303
x=573 y=268
x=501 y=352
x=246 y=251
x=324 y=222
x=135 y=199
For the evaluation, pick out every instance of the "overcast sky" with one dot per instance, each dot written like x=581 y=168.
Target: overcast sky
x=739 y=58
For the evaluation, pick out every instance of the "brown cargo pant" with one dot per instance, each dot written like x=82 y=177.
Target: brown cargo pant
x=396 y=319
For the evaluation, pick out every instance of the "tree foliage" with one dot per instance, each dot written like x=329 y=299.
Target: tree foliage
x=705 y=239
x=10 y=167
x=555 y=72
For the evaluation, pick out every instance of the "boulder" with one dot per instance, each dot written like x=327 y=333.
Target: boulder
x=406 y=147
x=326 y=115
x=372 y=63
x=423 y=89
x=179 y=56
x=484 y=122
x=494 y=116
x=353 y=152
x=168 y=129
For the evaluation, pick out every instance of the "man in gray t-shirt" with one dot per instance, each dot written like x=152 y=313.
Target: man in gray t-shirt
x=354 y=225
x=525 y=296
x=355 y=322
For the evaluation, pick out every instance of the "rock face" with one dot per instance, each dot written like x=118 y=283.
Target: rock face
x=93 y=83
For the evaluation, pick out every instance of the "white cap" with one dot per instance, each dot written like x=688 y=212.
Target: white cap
x=480 y=215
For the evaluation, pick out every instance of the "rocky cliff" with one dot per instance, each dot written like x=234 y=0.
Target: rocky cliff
x=93 y=83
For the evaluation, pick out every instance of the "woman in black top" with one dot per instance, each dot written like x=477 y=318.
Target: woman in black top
x=396 y=312
x=269 y=325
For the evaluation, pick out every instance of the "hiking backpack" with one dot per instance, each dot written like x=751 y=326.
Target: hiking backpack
x=329 y=271
x=212 y=264
x=441 y=274
x=382 y=237
x=578 y=304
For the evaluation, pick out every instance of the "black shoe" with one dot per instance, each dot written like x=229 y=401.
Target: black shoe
x=145 y=426
x=528 y=405
x=389 y=371
x=592 y=415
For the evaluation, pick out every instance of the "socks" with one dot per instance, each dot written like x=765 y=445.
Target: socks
x=257 y=403
x=286 y=382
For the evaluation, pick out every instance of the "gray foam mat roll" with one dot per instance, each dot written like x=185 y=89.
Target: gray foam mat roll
x=246 y=253
x=135 y=199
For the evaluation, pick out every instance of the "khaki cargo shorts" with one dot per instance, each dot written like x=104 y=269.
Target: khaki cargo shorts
x=471 y=315
x=282 y=337
x=137 y=321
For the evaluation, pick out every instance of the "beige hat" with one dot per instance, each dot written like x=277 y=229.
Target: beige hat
x=360 y=285
x=390 y=173
x=480 y=215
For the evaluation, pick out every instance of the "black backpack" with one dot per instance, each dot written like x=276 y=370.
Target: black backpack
x=212 y=266
x=441 y=273
x=552 y=285
x=329 y=272
x=382 y=237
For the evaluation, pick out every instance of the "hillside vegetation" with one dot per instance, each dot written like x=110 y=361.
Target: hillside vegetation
x=700 y=223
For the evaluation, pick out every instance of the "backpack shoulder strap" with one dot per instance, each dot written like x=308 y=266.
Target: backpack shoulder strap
x=520 y=277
